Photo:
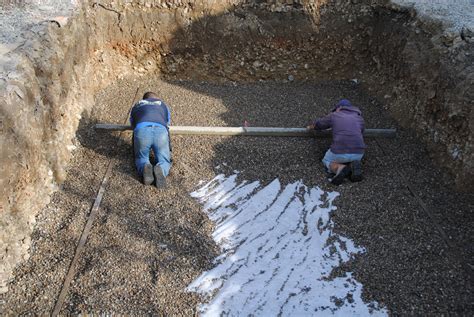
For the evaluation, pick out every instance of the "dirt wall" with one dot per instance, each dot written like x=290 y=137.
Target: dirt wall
x=49 y=82
x=424 y=72
x=43 y=96
x=421 y=74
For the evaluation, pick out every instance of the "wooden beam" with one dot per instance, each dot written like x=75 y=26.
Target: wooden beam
x=250 y=131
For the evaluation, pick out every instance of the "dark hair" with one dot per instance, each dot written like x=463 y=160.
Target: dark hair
x=149 y=95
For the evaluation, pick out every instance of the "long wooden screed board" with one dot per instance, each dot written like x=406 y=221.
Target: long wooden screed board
x=250 y=131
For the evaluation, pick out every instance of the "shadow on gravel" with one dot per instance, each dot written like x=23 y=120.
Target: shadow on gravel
x=406 y=257
x=276 y=104
x=407 y=267
x=112 y=146
x=104 y=142
x=149 y=239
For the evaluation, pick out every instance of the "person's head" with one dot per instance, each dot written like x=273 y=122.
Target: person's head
x=149 y=95
x=342 y=103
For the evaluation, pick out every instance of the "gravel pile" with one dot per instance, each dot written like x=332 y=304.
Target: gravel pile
x=147 y=245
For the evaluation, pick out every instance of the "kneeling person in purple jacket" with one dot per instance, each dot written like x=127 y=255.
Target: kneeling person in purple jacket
x=347 y=148
x=150 y=119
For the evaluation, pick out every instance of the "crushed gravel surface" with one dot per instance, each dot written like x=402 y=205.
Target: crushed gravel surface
x=147 y=245
x=17 y=16
x=455 y=14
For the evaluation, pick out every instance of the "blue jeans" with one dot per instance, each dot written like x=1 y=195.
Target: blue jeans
x=340 y=158
x=156 y=138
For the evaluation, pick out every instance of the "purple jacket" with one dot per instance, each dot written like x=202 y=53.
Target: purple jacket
x=347 y=127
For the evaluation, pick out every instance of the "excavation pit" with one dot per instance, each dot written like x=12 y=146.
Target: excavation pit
x=222 y=65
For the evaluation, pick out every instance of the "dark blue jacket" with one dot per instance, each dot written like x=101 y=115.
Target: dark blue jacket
x=347 y=129
x=150 y=110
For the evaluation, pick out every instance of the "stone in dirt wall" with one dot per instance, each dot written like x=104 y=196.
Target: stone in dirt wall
x=422 y=75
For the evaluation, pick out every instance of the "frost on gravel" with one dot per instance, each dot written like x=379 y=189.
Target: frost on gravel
x=278 y=250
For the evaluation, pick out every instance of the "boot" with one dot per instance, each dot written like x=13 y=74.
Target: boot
x=356 y=171
x=147 y=174
x=339 y=178
x=160 y=180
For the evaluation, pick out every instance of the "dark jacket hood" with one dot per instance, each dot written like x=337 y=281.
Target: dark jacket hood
x=346 y=105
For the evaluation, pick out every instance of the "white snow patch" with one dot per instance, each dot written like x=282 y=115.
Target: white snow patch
x=278 y=249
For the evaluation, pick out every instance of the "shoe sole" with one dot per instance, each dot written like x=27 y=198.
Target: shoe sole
x=339 y=178
x=148 y=174
x=160 y=180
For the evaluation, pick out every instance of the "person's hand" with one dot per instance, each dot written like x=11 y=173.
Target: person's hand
x=310 y=127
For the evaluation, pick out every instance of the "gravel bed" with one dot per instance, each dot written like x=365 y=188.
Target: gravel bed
x=147 y=245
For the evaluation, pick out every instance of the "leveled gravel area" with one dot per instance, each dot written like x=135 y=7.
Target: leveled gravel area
x=147 y=245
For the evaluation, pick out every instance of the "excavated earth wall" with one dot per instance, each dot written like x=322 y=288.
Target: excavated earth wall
x=420 y=72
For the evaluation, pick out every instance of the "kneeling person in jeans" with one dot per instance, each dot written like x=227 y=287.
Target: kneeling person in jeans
x=347 y=141
x=150 y=118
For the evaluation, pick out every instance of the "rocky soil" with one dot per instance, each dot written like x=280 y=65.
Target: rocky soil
x=147 y=245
